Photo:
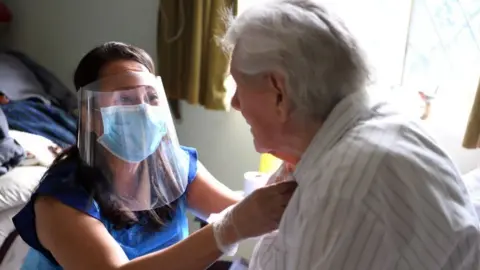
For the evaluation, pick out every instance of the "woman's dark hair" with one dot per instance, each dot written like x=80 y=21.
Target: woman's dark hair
x=94 y=178
x=88 y=70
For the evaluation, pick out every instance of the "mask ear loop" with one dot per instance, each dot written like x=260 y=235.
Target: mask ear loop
x=164 y=23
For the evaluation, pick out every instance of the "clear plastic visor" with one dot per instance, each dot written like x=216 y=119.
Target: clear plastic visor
x=126 y=130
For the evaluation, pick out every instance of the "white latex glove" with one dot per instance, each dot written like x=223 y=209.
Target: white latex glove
x=257 y=214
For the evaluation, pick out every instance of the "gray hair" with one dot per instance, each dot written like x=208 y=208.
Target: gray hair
x=318 y=56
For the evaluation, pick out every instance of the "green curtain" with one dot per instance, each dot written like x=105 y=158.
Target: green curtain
x=191 y=63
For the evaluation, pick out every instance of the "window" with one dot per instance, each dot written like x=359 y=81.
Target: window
x=443 y=53
x=426 y=46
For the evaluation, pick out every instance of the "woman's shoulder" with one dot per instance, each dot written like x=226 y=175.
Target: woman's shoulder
x=192 y=161
x=58 y=183
x=60 y=175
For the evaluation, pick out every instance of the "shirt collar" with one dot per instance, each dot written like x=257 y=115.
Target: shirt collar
x=343 y=117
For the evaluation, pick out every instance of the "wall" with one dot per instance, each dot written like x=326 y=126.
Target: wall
x=57 y=33
x=448 y=121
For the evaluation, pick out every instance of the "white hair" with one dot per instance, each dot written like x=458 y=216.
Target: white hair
x=318 y=56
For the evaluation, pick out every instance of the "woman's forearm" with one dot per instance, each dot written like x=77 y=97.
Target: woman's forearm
x=198 y=251
x=208 y=207
x=206 y=195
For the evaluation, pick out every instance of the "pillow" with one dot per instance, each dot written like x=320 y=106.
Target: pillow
x=6 y=223
x=18 y=184
x=17 y=82
x=36 y=147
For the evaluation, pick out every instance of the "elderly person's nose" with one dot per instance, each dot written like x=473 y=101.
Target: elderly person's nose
x=235 y=102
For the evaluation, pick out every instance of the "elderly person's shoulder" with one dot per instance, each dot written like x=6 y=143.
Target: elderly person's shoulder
x=373 y=148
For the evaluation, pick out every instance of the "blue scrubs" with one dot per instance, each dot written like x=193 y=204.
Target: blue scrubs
x=134 y=241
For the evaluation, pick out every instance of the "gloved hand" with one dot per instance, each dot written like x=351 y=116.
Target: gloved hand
x=257 y=214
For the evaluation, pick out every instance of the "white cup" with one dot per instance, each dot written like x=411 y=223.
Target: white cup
x=253 y=181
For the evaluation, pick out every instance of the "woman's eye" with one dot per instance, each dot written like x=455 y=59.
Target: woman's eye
x=126 y=100
x=152 y=98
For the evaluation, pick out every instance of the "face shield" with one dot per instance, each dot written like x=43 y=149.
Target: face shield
x=126 y=131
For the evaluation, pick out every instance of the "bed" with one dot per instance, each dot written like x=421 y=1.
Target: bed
x=36 y=115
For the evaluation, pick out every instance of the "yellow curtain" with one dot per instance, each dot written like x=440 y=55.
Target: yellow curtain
x=192 y=65
x=472 y=135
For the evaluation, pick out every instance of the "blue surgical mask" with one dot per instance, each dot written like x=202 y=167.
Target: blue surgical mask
x=132 y=132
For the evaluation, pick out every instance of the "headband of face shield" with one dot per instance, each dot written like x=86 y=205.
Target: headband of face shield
x=126 y=130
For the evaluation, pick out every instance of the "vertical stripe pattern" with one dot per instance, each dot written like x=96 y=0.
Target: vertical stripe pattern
x=375 y=193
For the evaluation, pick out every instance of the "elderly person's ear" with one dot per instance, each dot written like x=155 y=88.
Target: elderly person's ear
x=278 y=84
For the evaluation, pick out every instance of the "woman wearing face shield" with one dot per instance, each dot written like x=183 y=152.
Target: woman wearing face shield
x=118 y=199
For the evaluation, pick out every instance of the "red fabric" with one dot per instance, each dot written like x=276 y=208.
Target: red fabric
x=5 y=13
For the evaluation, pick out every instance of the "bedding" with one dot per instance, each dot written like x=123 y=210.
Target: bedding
x=32 y=100
x=35 y=101
x=11 y=153
x=36 y=117
x=36 y=147
x=12 y=248
x=6 y=224
x=17 y=186
x=37 y=110
x=17 y=81
x=15 y=255
x=22 y=78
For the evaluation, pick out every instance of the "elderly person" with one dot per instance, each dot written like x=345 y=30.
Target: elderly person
x=375 y=190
